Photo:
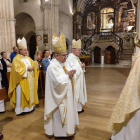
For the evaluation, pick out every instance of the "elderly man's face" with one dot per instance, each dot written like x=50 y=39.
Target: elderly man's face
x=61 y=57
x=23 y=52
x=76 y=52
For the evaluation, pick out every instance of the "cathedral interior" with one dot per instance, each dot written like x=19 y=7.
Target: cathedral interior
x=105 y=28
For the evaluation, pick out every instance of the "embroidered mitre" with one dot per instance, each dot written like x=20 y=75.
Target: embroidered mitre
x=76 y=44
x=59 y=43
x=22 y=44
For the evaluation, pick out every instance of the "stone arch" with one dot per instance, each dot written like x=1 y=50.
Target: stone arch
x=97 y=54
x=25 y=27
x=26 y=13
x=24 y=24
x=110 y=55
x=28 y=37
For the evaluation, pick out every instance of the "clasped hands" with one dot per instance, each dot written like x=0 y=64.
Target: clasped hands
x=83 y=65
x=71 y=73
x=30 y=69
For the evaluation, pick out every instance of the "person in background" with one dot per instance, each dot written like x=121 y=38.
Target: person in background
x=2 y=108
x=46 y=60
x=14 y=53
x=51 y=54
x=6 y=67
x=79 y=77
x=41 y=56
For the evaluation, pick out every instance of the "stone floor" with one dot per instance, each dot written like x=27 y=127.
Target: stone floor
x=109 y=65
x=104 y=86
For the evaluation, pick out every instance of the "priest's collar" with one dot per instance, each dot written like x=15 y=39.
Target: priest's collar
x=73 y=55
x=54 y=60
x=22 y=55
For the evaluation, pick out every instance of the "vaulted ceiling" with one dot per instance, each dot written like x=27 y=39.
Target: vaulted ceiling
x=83 y=6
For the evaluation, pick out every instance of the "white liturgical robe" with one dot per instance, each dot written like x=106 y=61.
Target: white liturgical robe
x=60 y=113
x=125 y=119
x=2 y=108
x=79 y=80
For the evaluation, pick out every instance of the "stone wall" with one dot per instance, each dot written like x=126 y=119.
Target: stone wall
x=54 y=16
x=66 y=20
x=32 y=22
x=7 y=26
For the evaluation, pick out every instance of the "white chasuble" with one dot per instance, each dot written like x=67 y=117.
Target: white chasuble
x=130 y=128
x=59 y=113
x=125 y=119
x=2 y=108
x=79 y=79
x=19 y=109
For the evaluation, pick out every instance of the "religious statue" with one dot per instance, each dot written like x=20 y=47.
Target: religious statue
x=110 y=23
x=127 y=39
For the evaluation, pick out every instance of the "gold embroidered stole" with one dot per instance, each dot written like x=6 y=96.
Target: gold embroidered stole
x=83 y=74
x=30 y=78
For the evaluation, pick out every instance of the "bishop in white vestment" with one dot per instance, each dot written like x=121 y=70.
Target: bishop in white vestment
x=79 y=77
x=2 y=108
x=60 y=114
x=23 y=81
x=125 y=119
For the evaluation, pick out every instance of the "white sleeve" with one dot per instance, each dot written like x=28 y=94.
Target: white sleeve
x=63 y=78
x=1 y=68
x=37 y=65
x=25 y=74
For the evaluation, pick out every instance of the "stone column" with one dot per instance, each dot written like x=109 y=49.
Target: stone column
x=7 y=25
x=12 y=24
x=98 y=18
x=138 y=18
x=116 y=18
x=56 y=17
x=46 y=21
x=51 y=20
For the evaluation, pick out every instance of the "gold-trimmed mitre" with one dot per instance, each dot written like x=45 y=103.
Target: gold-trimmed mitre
x=76 y=44
x=59 y=44
x=22 y=44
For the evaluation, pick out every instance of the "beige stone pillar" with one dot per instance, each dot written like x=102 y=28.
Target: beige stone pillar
x=56 y=17
x=51 y=20
x=3 y=9
x=12 y=24
x=46 y=21
x=7 y=25
x=138 y=18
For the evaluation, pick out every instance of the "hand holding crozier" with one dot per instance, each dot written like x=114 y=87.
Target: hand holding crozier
x=71 y=73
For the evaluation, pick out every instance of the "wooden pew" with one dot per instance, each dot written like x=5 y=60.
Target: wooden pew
x=3 y=93
x=8 y=76
x=41 y=81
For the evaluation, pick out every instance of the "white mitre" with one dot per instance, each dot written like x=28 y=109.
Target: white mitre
x=22 y=44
